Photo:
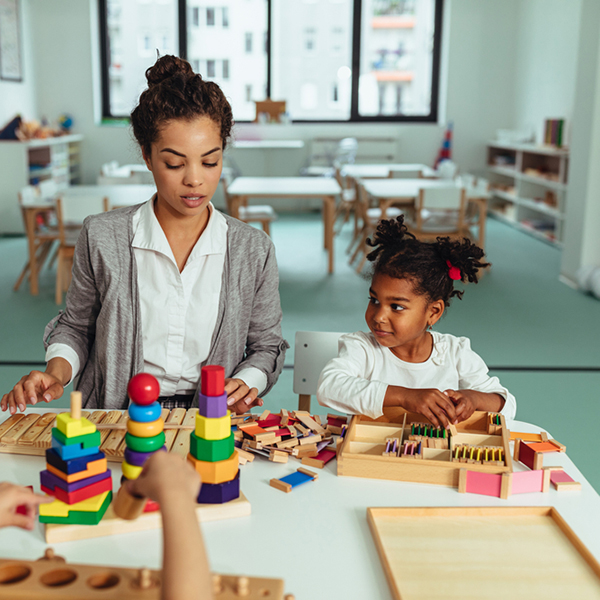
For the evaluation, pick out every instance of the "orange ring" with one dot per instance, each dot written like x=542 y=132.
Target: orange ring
x=145 y=430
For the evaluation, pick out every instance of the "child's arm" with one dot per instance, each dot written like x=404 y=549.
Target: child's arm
x=11 y=497
x=467 y=402
x=436 y=406
x=174 y=484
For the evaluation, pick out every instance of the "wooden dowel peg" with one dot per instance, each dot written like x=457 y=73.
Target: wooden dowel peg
x=75 y=405
x=127 y=506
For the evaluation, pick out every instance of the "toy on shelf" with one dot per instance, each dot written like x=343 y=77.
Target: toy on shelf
x=144 y=437
x=285 y=484
x=77 y=474
x=51 y=578
x=402 y=447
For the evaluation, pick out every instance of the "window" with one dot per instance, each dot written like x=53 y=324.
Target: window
x=195 y=65
x=210 y=17
x=331 y=60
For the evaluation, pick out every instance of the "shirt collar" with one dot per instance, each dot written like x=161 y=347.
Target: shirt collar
x=149 y=235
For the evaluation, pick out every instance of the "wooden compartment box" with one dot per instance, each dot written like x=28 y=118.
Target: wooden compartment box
x=361 y=453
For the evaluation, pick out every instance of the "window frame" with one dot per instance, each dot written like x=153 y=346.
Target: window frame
x=355 y=116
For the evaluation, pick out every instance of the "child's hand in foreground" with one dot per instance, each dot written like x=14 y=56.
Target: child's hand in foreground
x=465 y=402
x=11 y=497
x=164 y=474
x=431 y=403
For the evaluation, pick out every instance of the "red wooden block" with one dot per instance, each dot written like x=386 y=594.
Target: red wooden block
x=527 y=455
x=212 y=380
x=151 y=506
x=270 y=421
x=22 y=508
x=104 y=485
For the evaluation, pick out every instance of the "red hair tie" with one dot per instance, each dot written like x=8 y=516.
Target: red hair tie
x=453 y=272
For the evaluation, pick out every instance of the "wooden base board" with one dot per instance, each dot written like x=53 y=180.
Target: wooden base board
x=506 y=552
x=56 y=580
x=112 y=525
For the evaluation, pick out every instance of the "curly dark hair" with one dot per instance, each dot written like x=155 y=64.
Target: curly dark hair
x=399 y=254
x=176 y=92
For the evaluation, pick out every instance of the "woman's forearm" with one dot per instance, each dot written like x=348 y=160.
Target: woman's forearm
x=60 y=368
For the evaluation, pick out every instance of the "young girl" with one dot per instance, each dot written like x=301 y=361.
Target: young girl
x=172 y=284
x=401 y=362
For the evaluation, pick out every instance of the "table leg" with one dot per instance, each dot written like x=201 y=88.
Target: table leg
x=33 y=266
x=235 y=204
x=482 y=218
x=328 y=213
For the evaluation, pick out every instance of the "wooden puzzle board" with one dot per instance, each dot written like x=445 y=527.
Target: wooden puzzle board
x=112 y=525
x=31 y=434
x=482 y=553
x=360 y=454
x=53 y=580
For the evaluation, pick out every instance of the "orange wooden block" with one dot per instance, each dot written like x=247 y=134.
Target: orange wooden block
x=544 y=447
x=216 y=472
x=94 y=468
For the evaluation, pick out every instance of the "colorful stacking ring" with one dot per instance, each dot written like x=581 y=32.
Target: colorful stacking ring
x=145 y=414
x=130 y=471
x=145 y=444
x=137 y=459
x=145 y=430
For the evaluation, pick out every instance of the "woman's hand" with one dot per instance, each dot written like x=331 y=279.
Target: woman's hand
x=436 y=406
x=240 y=397
x=31 y=389
x=11 y=497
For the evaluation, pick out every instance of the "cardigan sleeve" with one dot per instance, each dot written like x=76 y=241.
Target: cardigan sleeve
x=76 y=325
x=344 y=384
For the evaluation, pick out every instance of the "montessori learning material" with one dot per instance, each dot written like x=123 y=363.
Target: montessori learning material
x=76 y=474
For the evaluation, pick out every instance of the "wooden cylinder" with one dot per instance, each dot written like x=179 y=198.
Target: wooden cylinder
x=127 y=506
x=75 y=405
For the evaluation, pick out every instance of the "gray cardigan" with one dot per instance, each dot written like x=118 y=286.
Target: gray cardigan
x=101 y=321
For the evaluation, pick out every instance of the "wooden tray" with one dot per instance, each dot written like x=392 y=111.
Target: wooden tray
x=56 y=580
x=482 y=553
x=360 y=453
x=31 y=434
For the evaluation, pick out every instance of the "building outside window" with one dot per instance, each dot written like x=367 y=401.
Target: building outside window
x=248 y=42
x=225 y=16
x=226 y=69
x=195 y=16
x=210 y=68
x=210 y=17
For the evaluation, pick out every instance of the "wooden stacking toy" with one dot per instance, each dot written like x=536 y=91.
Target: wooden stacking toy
x=212 y=451
x=77 y=474
x=145 y=436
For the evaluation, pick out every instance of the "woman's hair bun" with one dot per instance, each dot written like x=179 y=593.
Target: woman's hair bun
x=165 y=67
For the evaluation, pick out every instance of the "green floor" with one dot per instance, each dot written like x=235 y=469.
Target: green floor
x=519 y=316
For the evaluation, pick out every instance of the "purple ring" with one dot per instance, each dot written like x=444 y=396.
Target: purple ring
x=137 y=459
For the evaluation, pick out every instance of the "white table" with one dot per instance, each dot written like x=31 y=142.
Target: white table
x=118 y=195
x=268 y=144
x=377 y=171
x=325 y=188
x=316 y=538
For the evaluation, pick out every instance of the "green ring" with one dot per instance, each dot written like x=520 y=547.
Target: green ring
x=149 y=444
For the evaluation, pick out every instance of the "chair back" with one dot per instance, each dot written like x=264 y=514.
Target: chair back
x=48 y=190
x=76 y=205
x=312 y=351
x=446 y=199
x=346 y=151
x=29 y=195
x=227 y=177
x=413 y=174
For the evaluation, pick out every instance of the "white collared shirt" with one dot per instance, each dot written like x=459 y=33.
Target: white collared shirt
x=178 y=310
x=356 y=381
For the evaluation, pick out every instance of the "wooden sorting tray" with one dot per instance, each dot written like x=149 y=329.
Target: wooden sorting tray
x=31 y=433
x=516 y=553
x=361 y=451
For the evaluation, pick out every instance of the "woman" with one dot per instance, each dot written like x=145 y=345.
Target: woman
x=172 y=284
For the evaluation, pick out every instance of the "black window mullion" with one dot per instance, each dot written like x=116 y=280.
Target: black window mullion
x=269 y=25
x=104 y=59
x=356 y=35
x=183 y=49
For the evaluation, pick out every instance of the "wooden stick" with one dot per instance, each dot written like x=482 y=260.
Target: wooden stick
x=75 y=405
x=100 y=426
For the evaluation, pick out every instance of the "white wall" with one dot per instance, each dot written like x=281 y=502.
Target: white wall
x=19 y=98
x=480 y=62
x=546 y=62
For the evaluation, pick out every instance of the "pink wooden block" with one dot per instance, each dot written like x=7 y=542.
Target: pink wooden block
x=560 y=477
x=525 y=482
x=486 y=484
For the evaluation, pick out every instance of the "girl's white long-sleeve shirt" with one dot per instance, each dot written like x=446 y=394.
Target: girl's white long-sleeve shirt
x=356 y=381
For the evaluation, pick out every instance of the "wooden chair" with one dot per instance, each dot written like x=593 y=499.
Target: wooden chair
x=370 y=217
x=273 y=108
x=259 y=213
x=346 y=205
x=42 y=234
x=440 y=211
x=477 y=190
x=70 y=212
x=312 y=351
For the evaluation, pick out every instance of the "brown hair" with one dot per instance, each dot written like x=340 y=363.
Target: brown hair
x=176 y=92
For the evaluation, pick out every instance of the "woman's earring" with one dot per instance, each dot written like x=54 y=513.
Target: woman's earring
x=429 y=326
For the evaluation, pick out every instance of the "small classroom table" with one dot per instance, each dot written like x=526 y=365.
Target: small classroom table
x=325 y=188
x=381 y=170
x=316 y=537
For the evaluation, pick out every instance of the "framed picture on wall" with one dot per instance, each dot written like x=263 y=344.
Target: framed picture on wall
x=10 y=47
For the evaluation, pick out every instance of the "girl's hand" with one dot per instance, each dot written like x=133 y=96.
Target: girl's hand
x=165 y=474
x=11 y=497
x=31 y=389
x=436 y=406
x=240 y=397
x=465 y=403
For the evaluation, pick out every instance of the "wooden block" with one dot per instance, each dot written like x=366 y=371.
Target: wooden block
x=462 y=481
x=94 y=468
x=303 y=430
x=71 y=427
x=544 y=436
x=113 y=416
x=288 y=443
x=181 y=444
x=213 y=429
x=19 y=429
x=32 y=434
x=309 y=422
x=216 y=472
x=486 y=484
x=506 y=485
x=320 y=460
x=310 y=439
x=561 y=447
x=524 y=482
x=264 y=415
x=546 y=480
x=278 y=457
x=127 y=506
x=452 y=429
x=114 y=438
x=9 y=424
x=284 y=417
x=57 y=508
x=308 y=472
x=303 y=451
x=563 y=482
x=243 y=454
x=281 y=485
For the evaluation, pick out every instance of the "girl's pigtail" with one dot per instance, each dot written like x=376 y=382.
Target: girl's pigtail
x=462 y=259
x=391 y=235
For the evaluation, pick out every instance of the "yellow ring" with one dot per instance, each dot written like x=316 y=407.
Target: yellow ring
x=144 y=430
x=130 y=471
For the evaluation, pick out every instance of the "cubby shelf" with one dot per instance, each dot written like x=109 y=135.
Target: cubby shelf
x=529 y=186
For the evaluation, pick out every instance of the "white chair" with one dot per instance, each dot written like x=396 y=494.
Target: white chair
x=345 y=154
x=257 y=213
x=312 y=351
x=477 y=190
x=402 y=174
x=440 y=211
